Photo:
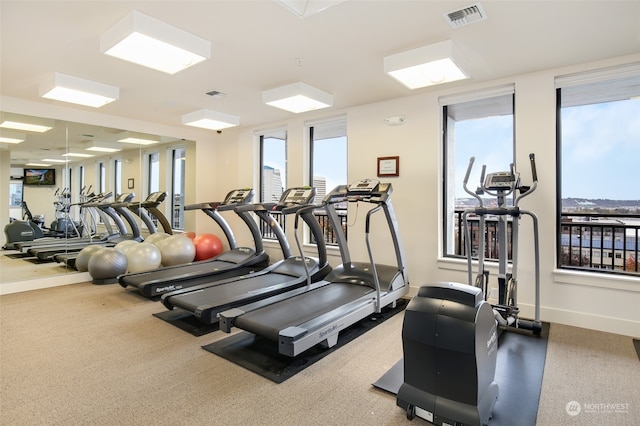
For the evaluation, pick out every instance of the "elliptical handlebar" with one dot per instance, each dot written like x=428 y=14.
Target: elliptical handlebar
x=534 y=185
x=466 y=180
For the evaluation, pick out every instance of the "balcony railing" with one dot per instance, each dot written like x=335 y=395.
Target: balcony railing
x=597 y=242
x=491 y=246
x=323 y=219
x=593 y=242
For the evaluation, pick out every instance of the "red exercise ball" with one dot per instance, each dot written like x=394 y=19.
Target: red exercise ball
x=207 y=246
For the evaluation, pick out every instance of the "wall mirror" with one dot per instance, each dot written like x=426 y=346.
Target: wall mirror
x=55 y=170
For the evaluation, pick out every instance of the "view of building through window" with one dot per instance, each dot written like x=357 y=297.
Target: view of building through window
x=599 y=192
x=480 y=128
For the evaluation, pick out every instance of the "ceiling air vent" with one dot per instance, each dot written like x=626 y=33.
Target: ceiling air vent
x=466 y=16
x=216 y=94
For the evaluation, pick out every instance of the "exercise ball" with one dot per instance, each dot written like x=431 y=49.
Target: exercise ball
x=190 y=234
x=177 y=250
x=125 y=245
x=106 y=264
x=207 y=246
x=82 y=260
x=156 y=237
x=143 y=257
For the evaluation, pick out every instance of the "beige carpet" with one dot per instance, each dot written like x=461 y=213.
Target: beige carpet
x=94 y=355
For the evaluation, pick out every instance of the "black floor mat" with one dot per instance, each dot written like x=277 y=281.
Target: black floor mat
x=519 y=369
x=261 y=356
x=636 y=343
x=19 y=255
x=185 y=321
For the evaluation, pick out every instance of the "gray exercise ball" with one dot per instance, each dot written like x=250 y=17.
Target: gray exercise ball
x=82 y=260
x=106 y=264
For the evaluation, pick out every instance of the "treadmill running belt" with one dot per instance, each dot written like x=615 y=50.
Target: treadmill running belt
x=269 y=320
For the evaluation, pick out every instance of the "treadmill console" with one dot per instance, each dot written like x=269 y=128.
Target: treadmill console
x=501 y=181
x=239 y=196
x=364 y=186
x=156 y=197
x=302 y=195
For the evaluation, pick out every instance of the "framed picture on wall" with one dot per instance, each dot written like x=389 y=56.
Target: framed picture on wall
x=388 y=166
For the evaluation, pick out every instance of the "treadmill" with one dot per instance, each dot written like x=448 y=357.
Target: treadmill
x=46 y=250
x=208 y=300
x=150 y=204
x=232 y=263
x=303 y=318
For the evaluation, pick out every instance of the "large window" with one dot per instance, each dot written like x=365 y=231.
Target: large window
x=479 y=125
x=273 y=172
x=328 y=167
x=598 y=151
x=102 y=177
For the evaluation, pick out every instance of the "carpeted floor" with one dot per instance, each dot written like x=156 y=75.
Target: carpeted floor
x=83 y=354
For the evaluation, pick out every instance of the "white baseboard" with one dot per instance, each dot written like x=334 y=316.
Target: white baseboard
x=46 y=282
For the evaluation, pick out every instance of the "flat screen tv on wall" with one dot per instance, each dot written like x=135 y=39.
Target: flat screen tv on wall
x=39 y=177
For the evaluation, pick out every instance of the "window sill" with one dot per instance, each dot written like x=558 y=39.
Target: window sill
x=600 y=280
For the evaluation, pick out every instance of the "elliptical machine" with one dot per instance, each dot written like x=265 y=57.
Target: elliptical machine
x=501 y=185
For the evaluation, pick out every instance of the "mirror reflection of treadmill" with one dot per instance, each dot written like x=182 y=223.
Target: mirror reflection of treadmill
x=141 y=209
x=207 y=300
x=303 y=318
x=69 y=245
x=234 y=262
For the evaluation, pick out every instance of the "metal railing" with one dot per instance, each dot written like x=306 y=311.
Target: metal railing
x=587 y=241
x=600 y=242
x=323 y=219
x=491 y=250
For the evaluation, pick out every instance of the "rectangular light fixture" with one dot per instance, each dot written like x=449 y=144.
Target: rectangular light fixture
x=25 y=123
x=11 y=137
x=427 y=66
x=38 y=164
x=77 y=154
x=208 y=119
x=75 y=90
x=297 y=97
x=146 y=41
x=137 y=138
x=98 y=146
x=54 y=160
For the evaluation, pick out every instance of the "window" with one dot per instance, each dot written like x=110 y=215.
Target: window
x=153 y=172
x=273 y=172
x=479 y=125
x=177 y=187
x=598 y=121
x=102 y=177
x=117 y=176
x=328 y=168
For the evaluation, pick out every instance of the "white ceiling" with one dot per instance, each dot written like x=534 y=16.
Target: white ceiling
x=257 y=45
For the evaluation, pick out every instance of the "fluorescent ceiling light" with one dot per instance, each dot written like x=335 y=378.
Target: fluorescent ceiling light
x=77 y=154
x=25 y=123
x=75 y=90
x=54 y=160
x=98 y=146
x=297 y=97
x=427 y=66
x=12 y=137
x=146 y=41
x=137 y=138
x=37 y=164
x=212 y=120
